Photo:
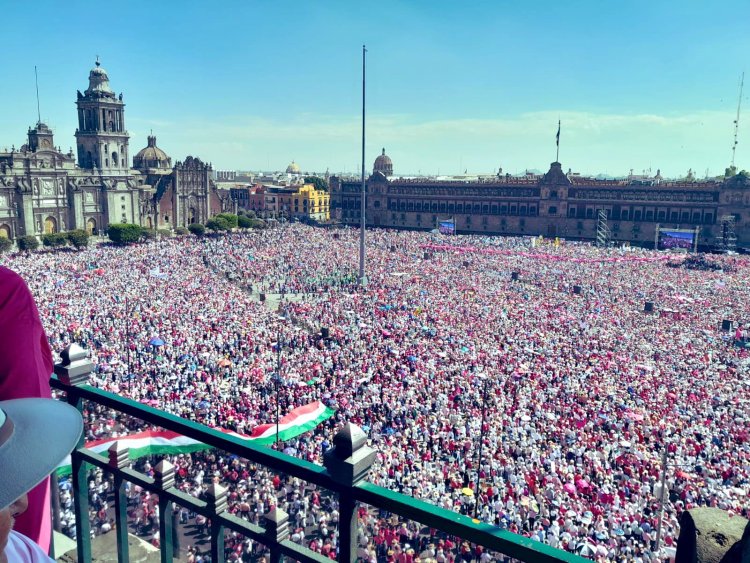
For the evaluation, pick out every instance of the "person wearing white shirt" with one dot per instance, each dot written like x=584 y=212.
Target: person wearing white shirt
x=35 y=435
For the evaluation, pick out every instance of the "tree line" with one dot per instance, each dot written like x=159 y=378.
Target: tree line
x=129 y=233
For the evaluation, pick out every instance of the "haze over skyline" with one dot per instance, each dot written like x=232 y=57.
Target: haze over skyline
x=450 y=86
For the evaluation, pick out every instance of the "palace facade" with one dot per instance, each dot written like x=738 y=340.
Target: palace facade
x=43 y=190
x=555 y=204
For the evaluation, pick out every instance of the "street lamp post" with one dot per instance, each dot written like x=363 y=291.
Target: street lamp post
x=481 y=443
x=661 y=496
x=127 y=332
x=278 y=376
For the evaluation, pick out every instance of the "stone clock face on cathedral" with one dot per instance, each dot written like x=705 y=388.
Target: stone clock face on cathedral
x=46 y=144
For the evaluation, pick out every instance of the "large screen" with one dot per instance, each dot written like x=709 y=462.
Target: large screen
x=676 y=239
x=447 y=227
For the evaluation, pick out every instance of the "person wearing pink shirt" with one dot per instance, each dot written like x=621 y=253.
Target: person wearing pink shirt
x=25 y=368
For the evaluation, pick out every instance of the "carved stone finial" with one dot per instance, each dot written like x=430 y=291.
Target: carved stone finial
x=350 y=458
x=118 y=455
x=73 y=353
x=348 y=440
x=217 y=498
x=164 y=474
x=74 y=369
x=276 y=525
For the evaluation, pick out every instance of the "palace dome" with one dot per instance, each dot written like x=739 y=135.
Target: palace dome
x=151 y=157
x=383 y=164
x=293 y=168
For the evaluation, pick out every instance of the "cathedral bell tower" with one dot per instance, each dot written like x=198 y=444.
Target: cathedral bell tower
x=101 y=136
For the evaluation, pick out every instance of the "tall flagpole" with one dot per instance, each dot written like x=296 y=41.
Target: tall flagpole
x=362 y=275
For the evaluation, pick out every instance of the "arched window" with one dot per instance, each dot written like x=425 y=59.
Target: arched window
x=50 y=225
x=114 y=159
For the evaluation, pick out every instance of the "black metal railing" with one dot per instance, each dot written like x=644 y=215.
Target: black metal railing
x=344 y=474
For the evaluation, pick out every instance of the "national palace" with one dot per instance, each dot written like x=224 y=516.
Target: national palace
x=555 y=204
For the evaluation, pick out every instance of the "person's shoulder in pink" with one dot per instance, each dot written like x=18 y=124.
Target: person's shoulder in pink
x=25 y=368
x=25 y=357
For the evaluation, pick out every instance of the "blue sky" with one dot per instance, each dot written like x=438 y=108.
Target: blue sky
x=452 y=86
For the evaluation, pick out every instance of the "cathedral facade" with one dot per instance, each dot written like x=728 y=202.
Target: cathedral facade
x=43 y=190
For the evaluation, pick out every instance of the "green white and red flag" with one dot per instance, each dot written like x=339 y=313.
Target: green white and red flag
x=164 y=442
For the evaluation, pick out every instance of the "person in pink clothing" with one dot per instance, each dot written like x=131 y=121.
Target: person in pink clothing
x=25 y=368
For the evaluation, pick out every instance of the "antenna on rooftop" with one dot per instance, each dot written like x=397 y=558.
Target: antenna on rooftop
x=737 y=119
x=36 y=82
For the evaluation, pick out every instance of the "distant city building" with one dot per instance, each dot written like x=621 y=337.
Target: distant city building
x=555 y=204
x=225 y=175
x=309 y=203
x=301 y=202
x=43 y=190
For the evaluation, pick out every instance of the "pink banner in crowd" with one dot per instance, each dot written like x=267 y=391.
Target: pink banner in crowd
x=539 y=255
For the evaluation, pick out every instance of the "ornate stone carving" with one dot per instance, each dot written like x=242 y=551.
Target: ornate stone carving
x=23 y=185
x=46 y=187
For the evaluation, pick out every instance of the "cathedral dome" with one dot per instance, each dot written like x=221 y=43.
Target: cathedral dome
x=151 y=157
x=99 y=82
x=383 y=164
x=293 y=168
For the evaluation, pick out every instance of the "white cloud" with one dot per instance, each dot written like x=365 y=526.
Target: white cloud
x=590 y=142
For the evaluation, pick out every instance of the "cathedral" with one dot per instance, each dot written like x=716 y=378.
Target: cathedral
x=43 y=190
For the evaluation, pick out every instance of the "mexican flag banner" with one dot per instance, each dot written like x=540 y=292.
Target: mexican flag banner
x=300 y=420
x=164 y=442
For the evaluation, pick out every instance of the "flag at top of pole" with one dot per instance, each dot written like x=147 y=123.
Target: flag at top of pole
x=557 y=141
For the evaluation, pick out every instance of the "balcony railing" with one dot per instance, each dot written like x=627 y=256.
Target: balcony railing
x=344 y=474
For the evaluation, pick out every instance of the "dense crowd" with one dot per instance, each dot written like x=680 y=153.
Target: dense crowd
x=573 y=389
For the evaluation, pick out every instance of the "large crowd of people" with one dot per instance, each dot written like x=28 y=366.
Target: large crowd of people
x=537 y=354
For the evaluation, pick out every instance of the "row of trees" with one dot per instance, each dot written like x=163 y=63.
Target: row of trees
x=229 y=221
x=128 y=233
x=77 y=239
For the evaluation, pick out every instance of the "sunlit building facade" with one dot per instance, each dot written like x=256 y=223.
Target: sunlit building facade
x=555 y=204
x=45 y=190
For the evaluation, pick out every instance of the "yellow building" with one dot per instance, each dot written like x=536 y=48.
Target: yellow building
x=309 y=203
